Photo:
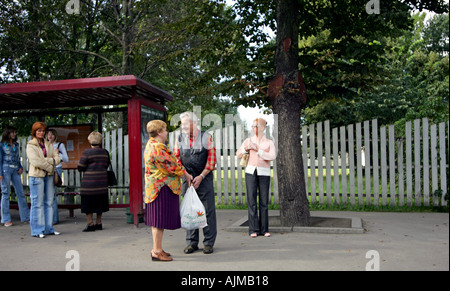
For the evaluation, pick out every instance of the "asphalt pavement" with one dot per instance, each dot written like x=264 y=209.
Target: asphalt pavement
x=390 y=241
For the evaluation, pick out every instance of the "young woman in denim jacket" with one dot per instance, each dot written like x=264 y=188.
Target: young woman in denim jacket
x=42 y=158
x=11 y=169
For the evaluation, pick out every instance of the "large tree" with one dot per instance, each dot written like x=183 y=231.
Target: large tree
x=288 y=95
x=354 y=30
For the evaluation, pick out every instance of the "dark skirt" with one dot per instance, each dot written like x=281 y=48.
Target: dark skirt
x=94 y=203
x=164 y=211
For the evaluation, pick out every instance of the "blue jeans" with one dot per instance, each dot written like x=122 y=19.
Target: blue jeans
x=55 y=203
x=42 y=193
x=11 y=175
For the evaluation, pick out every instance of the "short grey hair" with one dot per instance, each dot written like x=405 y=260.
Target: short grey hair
x=95 y=138
x=191 y=115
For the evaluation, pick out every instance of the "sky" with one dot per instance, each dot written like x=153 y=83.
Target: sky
x=249 y=114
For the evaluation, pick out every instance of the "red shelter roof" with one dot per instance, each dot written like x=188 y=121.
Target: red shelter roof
x=95 y=92
x=78 y=92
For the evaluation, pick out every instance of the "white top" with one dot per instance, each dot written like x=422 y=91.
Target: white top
x=62 y=152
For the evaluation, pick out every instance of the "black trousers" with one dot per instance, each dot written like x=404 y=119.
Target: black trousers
x=253 y=185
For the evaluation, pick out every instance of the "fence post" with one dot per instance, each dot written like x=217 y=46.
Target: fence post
x=351 y=161
x=443 y=160
x=359 y=163
x=392 y=164
x=312 y=163
x=320 y=161
x=367 y=162
x=343 y=164
x=408 y=148
x=375 y=165
x=426 y=163
x=417 y=174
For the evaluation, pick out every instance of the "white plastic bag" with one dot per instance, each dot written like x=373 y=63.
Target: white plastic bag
x=192 y=211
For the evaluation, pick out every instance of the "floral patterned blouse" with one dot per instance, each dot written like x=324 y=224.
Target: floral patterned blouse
x=161 y=168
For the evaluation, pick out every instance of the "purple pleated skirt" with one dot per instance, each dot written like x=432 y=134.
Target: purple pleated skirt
x=164 y=211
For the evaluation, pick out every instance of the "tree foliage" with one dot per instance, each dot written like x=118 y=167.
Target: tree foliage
x=185 y=47
x=411 y=80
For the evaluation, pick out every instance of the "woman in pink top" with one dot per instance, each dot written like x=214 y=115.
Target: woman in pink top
x=261 y=151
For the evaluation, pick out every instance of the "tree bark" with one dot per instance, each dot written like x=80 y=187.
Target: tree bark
x=127 y=37
x=288 y=95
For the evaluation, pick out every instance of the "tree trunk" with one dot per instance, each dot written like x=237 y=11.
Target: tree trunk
x=127 y=37
x=288 y=95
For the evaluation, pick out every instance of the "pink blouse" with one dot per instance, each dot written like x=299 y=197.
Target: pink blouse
x=258 y=160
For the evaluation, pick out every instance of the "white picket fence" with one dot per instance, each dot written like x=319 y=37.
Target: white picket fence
x=117 y=144
x=376 y=166
x=358 y=164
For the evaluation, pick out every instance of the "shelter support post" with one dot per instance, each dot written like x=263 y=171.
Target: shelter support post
x=135 y=158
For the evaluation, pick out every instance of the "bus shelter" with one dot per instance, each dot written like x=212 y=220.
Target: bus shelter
x=144 y=102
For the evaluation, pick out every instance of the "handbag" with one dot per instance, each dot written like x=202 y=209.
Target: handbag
x=244 y=160
x=112 y=181
x=56 y=177
x=192 y=211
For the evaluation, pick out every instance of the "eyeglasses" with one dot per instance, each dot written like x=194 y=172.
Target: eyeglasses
x=255 y=126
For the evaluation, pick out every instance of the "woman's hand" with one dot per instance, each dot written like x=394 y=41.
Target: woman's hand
x=252 y=146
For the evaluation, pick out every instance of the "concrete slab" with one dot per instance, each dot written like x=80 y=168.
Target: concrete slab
x=403 y=241
x=320 y=224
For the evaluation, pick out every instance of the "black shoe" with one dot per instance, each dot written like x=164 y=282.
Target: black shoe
x=190 y=249
x=208 y=250
x=98 y=226
x=89 y=228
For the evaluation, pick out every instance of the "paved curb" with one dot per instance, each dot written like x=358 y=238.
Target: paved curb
x=356 y=227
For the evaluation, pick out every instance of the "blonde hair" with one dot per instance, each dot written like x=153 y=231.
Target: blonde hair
x=155 y=126
x=95 y=138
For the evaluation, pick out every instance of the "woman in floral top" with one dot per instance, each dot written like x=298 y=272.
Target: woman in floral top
x=162 y=187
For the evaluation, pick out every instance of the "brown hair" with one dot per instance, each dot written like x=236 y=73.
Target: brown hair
x=37 y=125
x=54 y=132
x=6 y=134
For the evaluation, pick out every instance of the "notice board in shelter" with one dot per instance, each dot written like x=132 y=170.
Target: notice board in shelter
x=75 y=140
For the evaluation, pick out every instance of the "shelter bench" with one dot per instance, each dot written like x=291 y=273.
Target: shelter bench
x=69 y=200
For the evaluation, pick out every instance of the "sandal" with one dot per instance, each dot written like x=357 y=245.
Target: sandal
x=8 y=224
x=254 y=235
x=267 y=234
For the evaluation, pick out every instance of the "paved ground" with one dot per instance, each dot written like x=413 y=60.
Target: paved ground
x=403 y=241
